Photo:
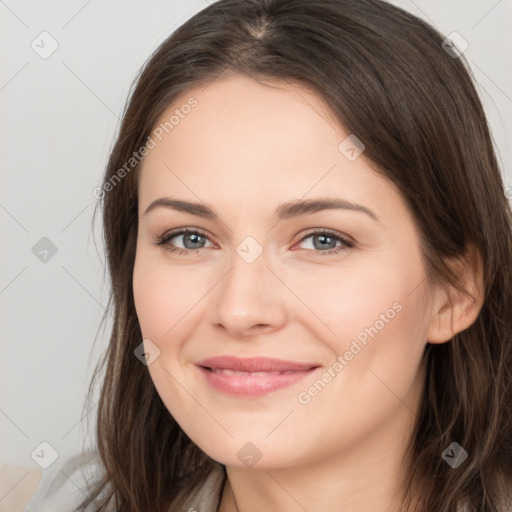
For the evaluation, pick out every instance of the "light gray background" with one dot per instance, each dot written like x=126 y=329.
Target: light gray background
x=59 y=119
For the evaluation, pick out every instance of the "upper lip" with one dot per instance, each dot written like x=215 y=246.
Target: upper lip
x=254 y=364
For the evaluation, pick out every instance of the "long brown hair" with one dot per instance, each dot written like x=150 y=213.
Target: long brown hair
x=387 y=78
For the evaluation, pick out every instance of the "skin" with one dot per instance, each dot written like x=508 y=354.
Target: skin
x=245 y=149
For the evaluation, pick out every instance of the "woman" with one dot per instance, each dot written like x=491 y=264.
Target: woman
x=252 y=364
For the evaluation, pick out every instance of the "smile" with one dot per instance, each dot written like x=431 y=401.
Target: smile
x=252 y=377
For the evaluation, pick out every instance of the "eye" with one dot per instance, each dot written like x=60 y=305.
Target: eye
x=323 y=241
x=192 y=240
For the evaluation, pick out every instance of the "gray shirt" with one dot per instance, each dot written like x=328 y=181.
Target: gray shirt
x=63 y=487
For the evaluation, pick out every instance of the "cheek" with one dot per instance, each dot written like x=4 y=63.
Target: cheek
x=162 y=296
x=371 y=316
x=343 y=303
x=152 y=304
x=378 y=332
x=374 y=372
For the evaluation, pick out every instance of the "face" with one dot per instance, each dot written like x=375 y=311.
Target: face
x=339 y=290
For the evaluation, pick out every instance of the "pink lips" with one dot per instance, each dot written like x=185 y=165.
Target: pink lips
x=260 y=374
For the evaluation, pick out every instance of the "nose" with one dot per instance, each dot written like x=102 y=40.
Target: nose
x=250 y=299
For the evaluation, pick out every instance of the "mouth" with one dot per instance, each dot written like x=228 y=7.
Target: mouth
x=225 y=371
x=252 y=377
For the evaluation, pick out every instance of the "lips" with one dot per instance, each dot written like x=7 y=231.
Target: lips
x=252 y=377
x=254 y=364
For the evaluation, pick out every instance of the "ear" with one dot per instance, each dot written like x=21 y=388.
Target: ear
x=454 y=311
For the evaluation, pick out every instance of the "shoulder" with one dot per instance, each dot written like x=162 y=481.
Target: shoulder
x=18 y=485
x=64 y=486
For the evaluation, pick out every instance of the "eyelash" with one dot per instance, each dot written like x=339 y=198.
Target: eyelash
x=163 y=241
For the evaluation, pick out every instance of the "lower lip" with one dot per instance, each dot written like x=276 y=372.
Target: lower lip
x=252 y=385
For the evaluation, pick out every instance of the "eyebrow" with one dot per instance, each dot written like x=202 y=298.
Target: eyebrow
x=287 y=210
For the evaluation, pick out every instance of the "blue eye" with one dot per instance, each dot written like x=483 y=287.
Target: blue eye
x=325 y=238
x=194 y=237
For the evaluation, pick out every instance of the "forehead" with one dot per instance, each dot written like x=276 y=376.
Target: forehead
x=255 y=140
x=246 y=117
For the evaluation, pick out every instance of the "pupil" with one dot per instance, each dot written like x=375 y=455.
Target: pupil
x=323 y=238
x=194 y=236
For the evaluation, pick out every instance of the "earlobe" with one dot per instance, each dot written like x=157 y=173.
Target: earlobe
x=454 y=311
